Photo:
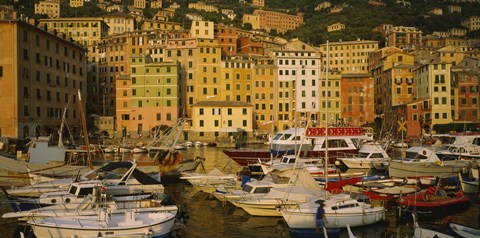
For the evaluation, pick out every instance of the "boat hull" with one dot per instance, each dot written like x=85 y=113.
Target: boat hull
x=306 y=220
x=432 y=208
x=404 y=169
x=53 y=228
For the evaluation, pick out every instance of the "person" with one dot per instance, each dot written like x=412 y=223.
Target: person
x=320 y=218
x=245 y=174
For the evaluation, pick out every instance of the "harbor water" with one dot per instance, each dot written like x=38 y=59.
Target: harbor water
x=201 y=215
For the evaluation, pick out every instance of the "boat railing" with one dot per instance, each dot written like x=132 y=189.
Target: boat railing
x=346 y=155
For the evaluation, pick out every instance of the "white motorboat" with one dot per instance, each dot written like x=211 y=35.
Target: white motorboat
x=114 y=179
x=104 y=225
x=250 y=190
x=91 y=205
x=268 y=204
x=340 y=210
x=369 y=156
x=459 y=151
x=198 y=144
x=422 y=161
x=313 y=166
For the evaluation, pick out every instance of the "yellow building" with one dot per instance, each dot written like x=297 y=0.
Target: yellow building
x=85 y=30
x=200 y=6
x=202 y=29
x=140 y=4
x=152 y=99
x=148 y=24
x=472 y=23
x=51 y=8
x=236 y=75
x=156 y=4
x=348 y=56
x=76 y=3
x=335 y=27
x=254 y=20
x=433 y=84
x=216 y=120
x=264 y=95
x=40 y=73
x=119 y=22
x=282 y=22
x=334 y=105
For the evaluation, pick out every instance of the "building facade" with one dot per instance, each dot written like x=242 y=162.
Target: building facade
x=40 y=73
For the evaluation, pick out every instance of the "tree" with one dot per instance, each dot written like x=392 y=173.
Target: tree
x=247 y=26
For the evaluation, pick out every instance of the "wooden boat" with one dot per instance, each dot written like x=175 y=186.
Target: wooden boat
x=464 y=231
x=433 y=203
x=104 y=225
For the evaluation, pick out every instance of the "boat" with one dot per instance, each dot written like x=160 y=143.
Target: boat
x=433 y=203
x=465 y=151
x=370 y=156
x=287 y=142
x=464 y=231
x=469 y=186
x=420 y=232
x=423 y=161
x=140 y=150
x=313 y=166
x=252 y=189
x=340 y=210
x=188 y=143
x=208 y=182
x=114 y=179
x=104 y=225
x=93 y=202
x=267 y=205
x=198 y=144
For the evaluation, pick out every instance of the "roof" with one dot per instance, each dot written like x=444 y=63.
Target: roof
x=221 y=104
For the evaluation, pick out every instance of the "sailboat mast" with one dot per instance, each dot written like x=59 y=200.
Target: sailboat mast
x=85 y=134
x=326 y=118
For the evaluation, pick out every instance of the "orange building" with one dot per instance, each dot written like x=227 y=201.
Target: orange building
x=357 y=99
x=282 y=22
x=250 y=46
x=227 y=38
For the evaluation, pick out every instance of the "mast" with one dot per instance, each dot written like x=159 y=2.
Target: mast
x=326 y=120
x=84 y=126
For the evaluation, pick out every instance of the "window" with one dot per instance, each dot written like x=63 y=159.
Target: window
x=244 y=123
x=201 y=111
x=229 y=111
x=201 y=123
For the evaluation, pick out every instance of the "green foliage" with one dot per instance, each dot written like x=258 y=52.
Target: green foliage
x=89 y=9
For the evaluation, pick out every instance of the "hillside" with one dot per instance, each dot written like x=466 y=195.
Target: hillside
x=358 y=16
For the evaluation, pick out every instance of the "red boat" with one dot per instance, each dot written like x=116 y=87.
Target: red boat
x=434 y=203
x=340 y=141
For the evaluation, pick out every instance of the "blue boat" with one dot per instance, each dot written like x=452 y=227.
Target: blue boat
x=312 y=233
